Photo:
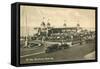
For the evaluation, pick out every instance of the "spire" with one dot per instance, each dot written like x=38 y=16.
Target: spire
x=43 y=23
x=48 y=23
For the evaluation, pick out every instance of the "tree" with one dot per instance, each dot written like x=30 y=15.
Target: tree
x=78 y=25
x=64 y=25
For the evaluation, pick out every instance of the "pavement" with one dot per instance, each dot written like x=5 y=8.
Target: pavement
x=37 y=55
x=90 y=55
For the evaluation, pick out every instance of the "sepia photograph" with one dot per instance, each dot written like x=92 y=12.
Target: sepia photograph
x=57 y=34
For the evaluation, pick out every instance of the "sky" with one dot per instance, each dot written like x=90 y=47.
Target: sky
x=32 y=16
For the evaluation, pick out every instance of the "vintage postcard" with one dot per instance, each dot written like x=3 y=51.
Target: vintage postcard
x=56 y=34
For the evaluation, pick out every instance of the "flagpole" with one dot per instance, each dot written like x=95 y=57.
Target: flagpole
x=26 y=41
